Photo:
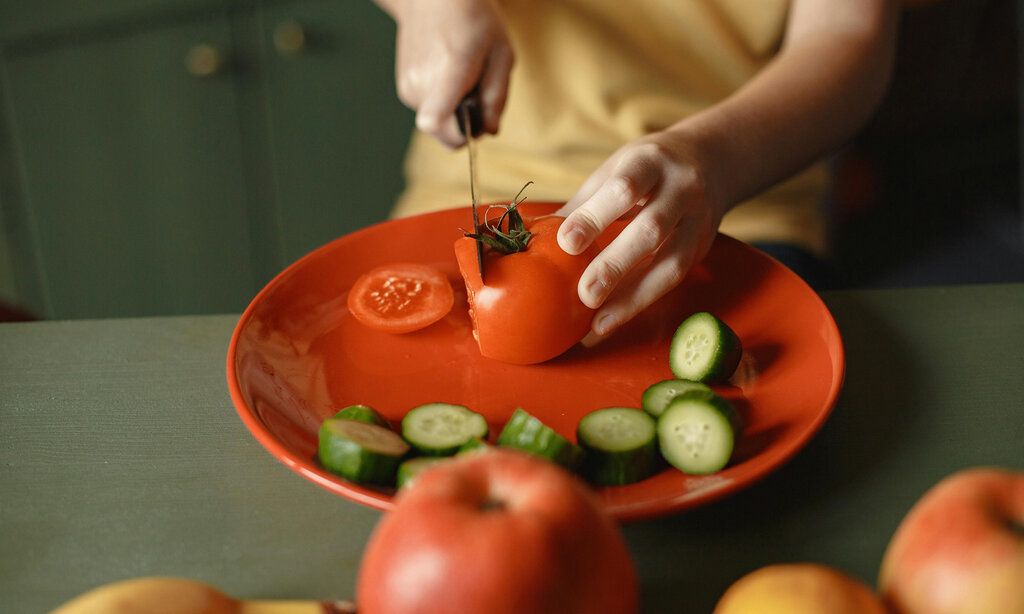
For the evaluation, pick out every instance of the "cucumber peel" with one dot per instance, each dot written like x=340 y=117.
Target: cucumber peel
x=657 y=396
x=620 y=446
x=360 y=452
x=704 y=349
x=527 y=433
x=361 y=413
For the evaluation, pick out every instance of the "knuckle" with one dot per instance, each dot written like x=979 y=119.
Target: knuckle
x=652 y=150
x=611 y=269
x=650 y=231
x=586 y=221
x=622 y=187
x=405 y=91
x=674 y=274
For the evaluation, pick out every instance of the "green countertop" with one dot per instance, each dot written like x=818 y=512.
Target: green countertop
x=121 y=456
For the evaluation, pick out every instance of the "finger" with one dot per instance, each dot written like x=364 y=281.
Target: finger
x=409 y=80
x=632 y=179
x=687 y=245
x=637 y=241
x=436 y=116
x=596 y=179
x=494 y=86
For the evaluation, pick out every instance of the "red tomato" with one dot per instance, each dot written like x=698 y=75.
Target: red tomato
x=401 y=297
x=496 y=532
x=527 y=309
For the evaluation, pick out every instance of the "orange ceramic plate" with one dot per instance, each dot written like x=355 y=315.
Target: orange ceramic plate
x=297 y=356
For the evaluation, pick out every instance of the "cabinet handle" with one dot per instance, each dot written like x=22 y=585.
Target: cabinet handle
x=289 y=37
x=204 y=60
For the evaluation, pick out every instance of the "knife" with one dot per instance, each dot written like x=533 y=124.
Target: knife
x=470 y=118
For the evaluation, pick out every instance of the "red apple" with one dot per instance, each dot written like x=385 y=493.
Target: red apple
x=496 y=532
x=961 y=548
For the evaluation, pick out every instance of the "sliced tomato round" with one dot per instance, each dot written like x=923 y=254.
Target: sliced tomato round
x=401 y=297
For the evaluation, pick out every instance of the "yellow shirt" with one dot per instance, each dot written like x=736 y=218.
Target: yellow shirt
x=591 y=75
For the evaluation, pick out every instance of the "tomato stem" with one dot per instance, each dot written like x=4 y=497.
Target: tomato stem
x=514 y=237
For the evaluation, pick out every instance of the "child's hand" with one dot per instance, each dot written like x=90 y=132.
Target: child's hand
x=444 y=48
x=673 y=229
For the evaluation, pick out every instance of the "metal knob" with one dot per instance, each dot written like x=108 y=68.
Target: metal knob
x=289 y=37
x=204 y=60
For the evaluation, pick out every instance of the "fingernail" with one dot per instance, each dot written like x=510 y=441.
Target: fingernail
x=591 y=340
x=594 y=292
x=572 y=241
x=604 y=324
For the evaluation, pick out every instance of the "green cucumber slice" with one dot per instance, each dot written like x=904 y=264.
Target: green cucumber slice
x=620 y=446
x=527 y=433
x=476 y=444
x=410 y=469
x=657 y=396
x=696 y=433
x=361 y=413
x=704 y=349
x=439 y=429
x=360 y=452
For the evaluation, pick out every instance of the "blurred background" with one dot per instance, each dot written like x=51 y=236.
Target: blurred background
x=164 y=157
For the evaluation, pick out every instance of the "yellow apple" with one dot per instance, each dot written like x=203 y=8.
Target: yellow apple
x=182 y=596
x=799 y=588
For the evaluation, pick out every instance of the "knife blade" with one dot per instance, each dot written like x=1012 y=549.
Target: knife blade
x=469 y=117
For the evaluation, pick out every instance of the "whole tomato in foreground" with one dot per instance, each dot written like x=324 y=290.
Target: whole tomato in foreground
x=526 y=309
x=496 y=532
x=960 y=548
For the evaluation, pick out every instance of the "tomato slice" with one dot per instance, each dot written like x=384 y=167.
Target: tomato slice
x=401 y=297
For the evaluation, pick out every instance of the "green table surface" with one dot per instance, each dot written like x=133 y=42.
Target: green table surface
x=121 y=456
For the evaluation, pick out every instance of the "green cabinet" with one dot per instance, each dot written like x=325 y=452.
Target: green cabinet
x=336 y=129
x=167 y=162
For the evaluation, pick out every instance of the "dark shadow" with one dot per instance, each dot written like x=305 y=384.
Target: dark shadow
x=752 y=444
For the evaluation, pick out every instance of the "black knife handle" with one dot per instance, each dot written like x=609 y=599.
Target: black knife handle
x=471 y=103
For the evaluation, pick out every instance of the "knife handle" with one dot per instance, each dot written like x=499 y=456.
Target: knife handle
x=471 y=103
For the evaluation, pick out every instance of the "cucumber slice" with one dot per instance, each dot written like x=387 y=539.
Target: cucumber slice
x=439 y=429
x=361 y=413
x=620 y=445
x=410 y=469
x=475 y=444
x=527 y=433
x=360 y=452
x=704 y=349
x=696 y=433
x=657 y=396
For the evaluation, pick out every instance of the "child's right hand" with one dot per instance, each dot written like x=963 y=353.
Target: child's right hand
x=444 y=48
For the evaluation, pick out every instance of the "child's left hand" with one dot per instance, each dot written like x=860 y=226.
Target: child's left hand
x=666 y=174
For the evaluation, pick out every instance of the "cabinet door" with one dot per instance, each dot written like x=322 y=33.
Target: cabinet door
x=130 y=173
x=336 y=129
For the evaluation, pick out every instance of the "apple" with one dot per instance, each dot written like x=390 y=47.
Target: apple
x=496 y=532
x=183 y=596
x=960 y=549
x=798 y=588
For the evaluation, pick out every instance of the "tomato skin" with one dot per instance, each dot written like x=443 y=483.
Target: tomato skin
x=400 y=297
x=497 y=532
x=527 y=308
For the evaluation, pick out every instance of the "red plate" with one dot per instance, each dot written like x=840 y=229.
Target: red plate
x=297 y=356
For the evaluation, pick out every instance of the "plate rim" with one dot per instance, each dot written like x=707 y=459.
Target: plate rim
x=622 y=513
